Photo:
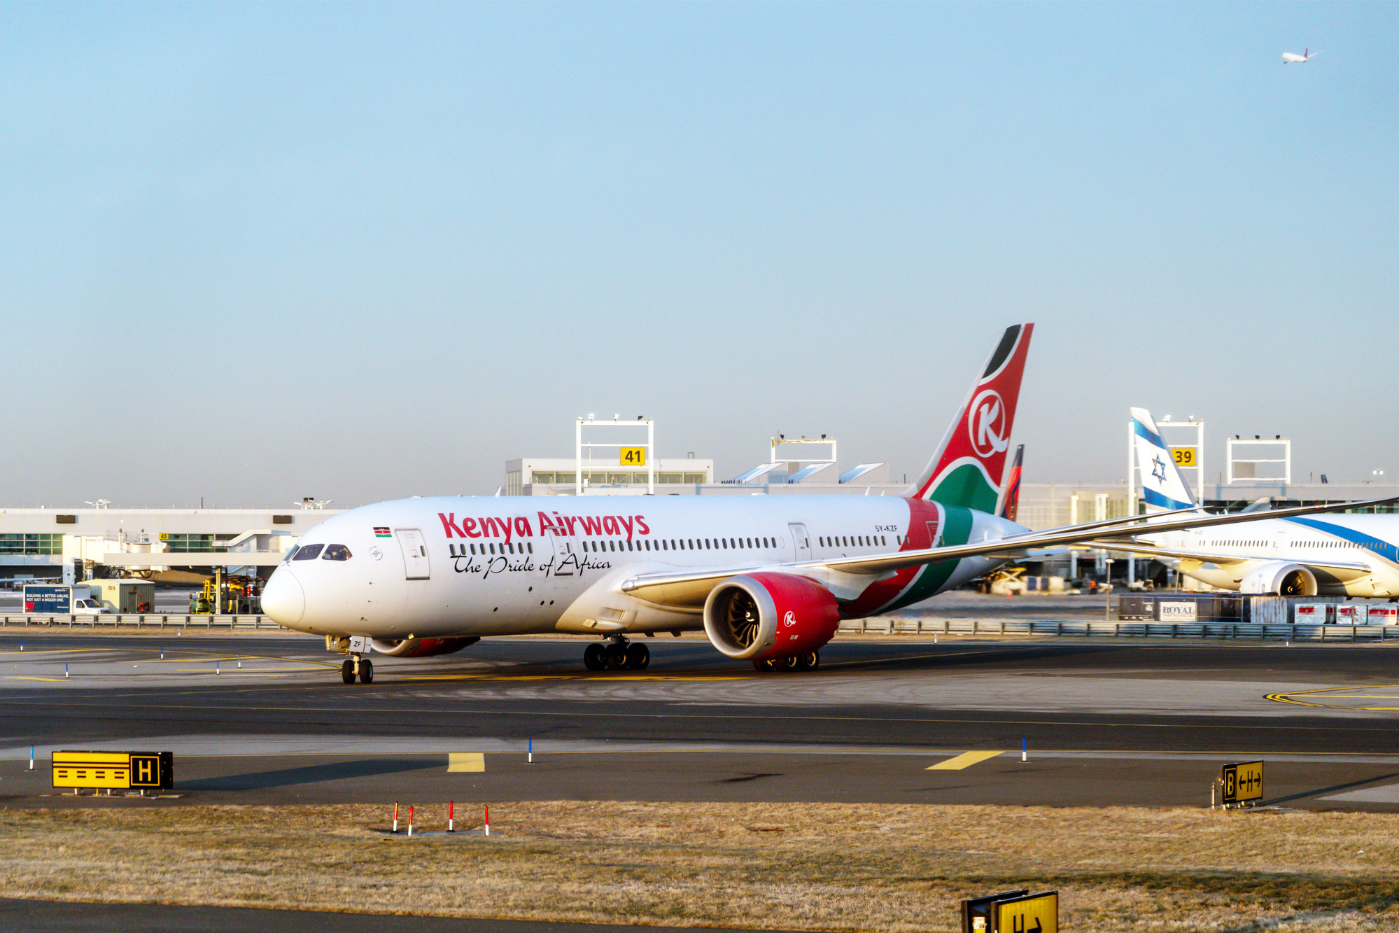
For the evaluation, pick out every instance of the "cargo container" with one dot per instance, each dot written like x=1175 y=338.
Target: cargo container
x=124 y=596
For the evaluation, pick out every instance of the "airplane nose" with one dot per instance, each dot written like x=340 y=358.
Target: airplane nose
x=283 y=599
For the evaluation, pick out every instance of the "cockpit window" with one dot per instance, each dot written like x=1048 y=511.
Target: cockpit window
x=309 y=552
x=336 y=552
x=292 y=553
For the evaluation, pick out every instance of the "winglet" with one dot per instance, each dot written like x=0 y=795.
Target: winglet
x=1010 y=489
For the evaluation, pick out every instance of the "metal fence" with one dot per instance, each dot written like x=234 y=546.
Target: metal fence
x=917 y=625
x=155 y=620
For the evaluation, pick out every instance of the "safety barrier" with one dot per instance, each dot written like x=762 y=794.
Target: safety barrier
x=156 y=620
x=919 y=625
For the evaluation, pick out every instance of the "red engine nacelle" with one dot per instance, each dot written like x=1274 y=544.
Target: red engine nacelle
x=759 y=616
x=421 y=647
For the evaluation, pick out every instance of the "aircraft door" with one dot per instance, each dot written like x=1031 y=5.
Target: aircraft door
x=415 y=562
x=934 y=539
x=801 y=540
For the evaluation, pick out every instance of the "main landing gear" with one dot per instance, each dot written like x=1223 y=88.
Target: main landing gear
x=616 y=653
x=357 y=666
x=795 y=662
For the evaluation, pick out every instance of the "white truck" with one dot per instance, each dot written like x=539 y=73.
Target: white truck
x=61 y=600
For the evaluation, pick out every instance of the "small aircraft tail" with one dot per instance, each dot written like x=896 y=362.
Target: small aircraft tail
x=972 y=456
x=1010 y=489
x=1163 y=488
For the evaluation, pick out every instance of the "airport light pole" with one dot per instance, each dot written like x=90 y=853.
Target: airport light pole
x=1107 y=596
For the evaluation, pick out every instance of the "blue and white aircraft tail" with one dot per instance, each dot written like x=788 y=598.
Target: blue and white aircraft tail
x=1163 y=488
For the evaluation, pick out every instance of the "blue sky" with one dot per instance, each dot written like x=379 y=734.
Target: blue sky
x=254 y=252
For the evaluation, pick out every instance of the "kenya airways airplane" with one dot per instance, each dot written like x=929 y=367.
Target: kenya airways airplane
x=767 y=578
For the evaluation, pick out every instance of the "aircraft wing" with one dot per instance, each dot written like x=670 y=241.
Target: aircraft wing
x=1341 y=570
x=689 y=589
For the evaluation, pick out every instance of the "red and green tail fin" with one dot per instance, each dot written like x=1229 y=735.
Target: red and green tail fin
x=968 y=465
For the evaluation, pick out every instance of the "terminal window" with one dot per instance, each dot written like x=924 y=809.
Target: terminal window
x=31 y=544
x=195 y=544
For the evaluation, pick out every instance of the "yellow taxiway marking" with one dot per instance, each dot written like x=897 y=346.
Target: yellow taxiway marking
x=466 y=761
x=603 y=677
x=1305 y=698
x=55 y=680
x=964 y=760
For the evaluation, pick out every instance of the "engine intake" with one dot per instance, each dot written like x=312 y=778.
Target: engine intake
x=769 y=615
x=421 y=647
x=1280 y=578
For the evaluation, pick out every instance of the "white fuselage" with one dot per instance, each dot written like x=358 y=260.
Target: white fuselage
x=1364 y=540
x=517 y=565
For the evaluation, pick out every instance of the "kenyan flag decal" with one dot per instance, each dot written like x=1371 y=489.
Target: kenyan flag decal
x=382 y=533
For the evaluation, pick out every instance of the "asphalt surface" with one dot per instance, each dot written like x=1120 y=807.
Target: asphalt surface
x=266 y=720
x=72 y=917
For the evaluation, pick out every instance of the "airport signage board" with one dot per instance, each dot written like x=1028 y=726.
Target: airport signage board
x=977 y=912
x=114 y=770
x=1242 y=781
x=633 y=456
x=1176 y=610
x=1033 y=913
x=1183 y=456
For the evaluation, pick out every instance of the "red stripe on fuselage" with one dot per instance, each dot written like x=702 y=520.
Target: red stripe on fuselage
x=878 y=595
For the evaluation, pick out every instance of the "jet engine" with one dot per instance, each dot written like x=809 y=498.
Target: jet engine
x=758 y=616
x=421 y=647
x=1280 y=578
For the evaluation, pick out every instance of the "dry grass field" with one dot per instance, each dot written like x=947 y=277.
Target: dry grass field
x=794 y=866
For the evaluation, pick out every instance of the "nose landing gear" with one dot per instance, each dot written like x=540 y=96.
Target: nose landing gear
x=356 y=666
x=617 y=653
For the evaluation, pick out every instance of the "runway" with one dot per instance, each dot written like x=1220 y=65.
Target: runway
x=1136 y=724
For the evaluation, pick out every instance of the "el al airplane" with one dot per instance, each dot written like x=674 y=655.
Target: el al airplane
x=1292 y=58
x=1350 y=555
x=767 y=578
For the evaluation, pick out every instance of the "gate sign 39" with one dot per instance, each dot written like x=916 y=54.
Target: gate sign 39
x=1183 y=456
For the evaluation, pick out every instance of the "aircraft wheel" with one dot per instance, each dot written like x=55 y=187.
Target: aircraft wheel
x=809 y=661
x=595 y=657
x=347 y=671
x=789 y=663
x=366 y=671
x=638 y=657
x=767 y=665
x=617 y=656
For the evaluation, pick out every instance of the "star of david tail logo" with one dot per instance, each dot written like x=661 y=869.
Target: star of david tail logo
x=1158 y=469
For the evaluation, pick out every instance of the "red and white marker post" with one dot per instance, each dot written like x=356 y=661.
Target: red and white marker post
x=395 y=817
x=451 y=811
x=488 y=821
x=410 y=819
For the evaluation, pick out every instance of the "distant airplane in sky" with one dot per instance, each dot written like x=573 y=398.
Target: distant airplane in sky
x=1290 y=57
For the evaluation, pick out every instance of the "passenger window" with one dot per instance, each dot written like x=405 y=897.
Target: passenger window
x=309 y=552
x=336 y=552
